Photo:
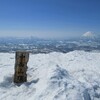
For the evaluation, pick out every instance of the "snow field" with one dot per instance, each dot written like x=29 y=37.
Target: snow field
x=55 y=76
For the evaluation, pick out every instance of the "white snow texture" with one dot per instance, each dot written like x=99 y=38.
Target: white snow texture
x=55 y=76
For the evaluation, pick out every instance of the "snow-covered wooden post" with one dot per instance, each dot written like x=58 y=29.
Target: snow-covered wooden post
x=21 y=60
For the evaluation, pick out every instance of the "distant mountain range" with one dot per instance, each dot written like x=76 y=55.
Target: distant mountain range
x=88 y=42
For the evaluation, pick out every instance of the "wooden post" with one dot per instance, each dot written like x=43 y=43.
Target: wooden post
x=22 y=58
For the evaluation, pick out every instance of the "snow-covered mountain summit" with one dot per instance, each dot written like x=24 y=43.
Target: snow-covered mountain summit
x=89 y=36
x=54 y=76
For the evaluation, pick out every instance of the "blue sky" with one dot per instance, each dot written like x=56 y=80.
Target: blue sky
x=49 y=18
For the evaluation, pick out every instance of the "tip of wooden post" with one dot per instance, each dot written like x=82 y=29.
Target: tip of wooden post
x=22 y=51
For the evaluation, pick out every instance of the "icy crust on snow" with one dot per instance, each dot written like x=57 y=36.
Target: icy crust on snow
x=55 y=76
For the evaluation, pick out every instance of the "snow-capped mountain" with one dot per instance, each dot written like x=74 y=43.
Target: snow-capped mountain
x=90 y=36
x=54 y=76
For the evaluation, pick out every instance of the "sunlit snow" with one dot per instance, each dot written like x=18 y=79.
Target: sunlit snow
x=55 y=76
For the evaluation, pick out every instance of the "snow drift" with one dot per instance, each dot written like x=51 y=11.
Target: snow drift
x=55 y=76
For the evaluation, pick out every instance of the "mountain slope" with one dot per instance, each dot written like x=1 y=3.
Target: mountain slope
x=55 y=76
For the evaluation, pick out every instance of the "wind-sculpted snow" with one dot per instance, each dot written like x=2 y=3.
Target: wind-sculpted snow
x=55 y=76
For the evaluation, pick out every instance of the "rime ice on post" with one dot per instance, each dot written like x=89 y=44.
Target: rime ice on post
x=22 y=58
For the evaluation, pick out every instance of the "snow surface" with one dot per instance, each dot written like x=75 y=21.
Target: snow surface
x=55 y=76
